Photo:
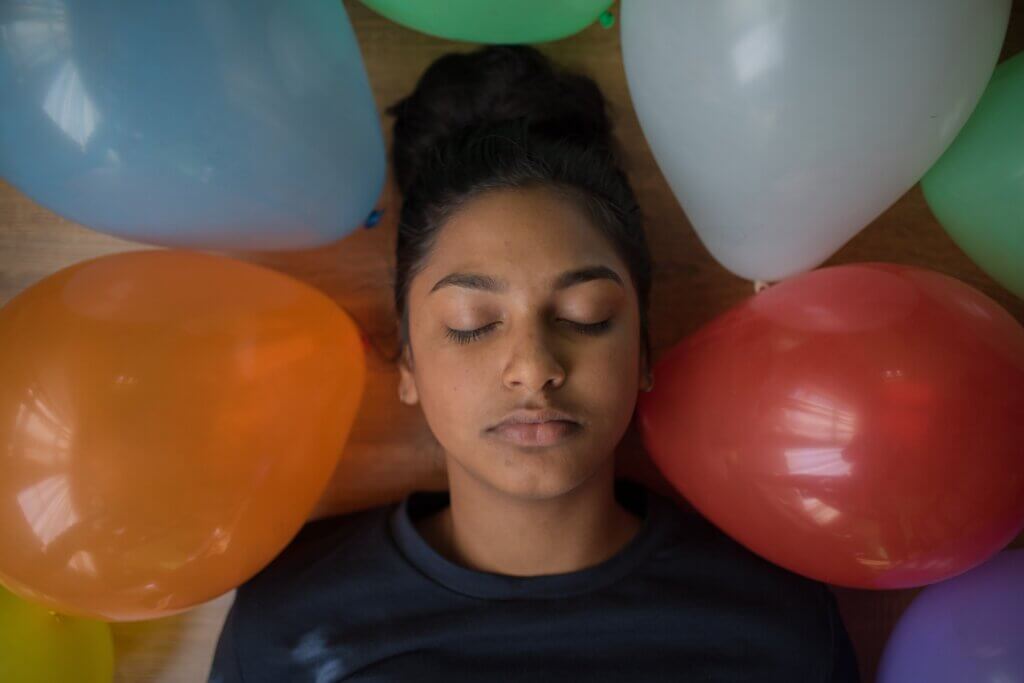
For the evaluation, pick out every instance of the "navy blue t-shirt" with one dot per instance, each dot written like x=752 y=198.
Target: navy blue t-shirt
x=364 y=597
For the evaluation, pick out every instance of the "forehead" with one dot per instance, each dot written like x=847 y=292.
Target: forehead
x=522 y=233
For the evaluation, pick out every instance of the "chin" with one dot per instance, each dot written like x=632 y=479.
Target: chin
x=538 y=475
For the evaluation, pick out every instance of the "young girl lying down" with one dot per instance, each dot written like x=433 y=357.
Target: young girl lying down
x=522 y=280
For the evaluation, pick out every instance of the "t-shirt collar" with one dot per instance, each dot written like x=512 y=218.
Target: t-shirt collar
x=491 y=585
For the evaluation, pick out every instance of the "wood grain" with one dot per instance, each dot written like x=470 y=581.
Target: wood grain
x=391 y=451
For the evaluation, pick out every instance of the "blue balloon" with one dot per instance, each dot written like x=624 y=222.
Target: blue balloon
x=967 y=629
x=216 y=124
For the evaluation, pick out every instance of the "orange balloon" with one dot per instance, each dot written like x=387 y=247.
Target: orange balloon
x=168 y=420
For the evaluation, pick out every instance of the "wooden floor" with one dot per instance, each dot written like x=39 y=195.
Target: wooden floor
x=391 y=450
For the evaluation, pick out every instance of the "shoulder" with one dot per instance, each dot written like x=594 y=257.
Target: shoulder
x=300 y=586
x=315 y=555
x=707 y=558
x=791 y=619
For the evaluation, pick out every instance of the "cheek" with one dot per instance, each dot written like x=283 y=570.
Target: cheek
x=613 y=364
x=609 y=378
x=450 y=390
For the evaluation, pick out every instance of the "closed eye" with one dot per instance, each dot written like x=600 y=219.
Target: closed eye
x=590 y=328
x=467 y=336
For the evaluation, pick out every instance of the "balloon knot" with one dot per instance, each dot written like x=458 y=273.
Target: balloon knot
x=607 y=19
x=373 y=219
x=760 y=285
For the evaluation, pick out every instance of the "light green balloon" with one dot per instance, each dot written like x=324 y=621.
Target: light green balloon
x=39 y=646
x=976 y=189
x=493 y=21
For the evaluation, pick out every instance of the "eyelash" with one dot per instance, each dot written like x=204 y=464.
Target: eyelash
x=467 y=336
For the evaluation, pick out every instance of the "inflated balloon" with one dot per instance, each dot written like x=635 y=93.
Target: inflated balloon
x=168 y=421
x=860 y=425
x=970 y=628
x=977 y=188
x=785 y=127
x=220 y=124
x=493 y=21
x=40 y=646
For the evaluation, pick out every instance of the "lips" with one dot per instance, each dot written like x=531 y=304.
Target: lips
x=536 y=416
x=537 y=428
x=539 y=434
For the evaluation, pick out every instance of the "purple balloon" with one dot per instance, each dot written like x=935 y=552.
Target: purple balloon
x=968 y=629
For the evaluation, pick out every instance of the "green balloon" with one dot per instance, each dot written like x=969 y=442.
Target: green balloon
x=493 y=21
x=976 y=189
x=40 y=646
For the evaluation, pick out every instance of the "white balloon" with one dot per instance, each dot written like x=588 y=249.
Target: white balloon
x=786 y=126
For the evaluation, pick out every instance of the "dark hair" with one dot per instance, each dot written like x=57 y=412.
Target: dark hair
x=503 y=116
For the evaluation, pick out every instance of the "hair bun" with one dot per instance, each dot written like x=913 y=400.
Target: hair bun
x=489 y=85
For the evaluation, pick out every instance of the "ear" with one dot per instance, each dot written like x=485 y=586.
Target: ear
x=407 y=392
x=646 y=377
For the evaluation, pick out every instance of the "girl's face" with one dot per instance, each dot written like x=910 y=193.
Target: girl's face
x=497 y=323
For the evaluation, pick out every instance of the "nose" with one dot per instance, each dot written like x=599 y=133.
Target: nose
x=533 y=364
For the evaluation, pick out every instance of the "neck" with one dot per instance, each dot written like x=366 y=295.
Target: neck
x=486 y=529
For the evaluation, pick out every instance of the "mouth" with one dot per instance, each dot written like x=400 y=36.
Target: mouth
x=537 y=434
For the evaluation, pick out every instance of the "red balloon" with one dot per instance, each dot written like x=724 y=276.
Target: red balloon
x=861 y=425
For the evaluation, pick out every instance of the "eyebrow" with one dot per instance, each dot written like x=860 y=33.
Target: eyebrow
x=563 y=281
